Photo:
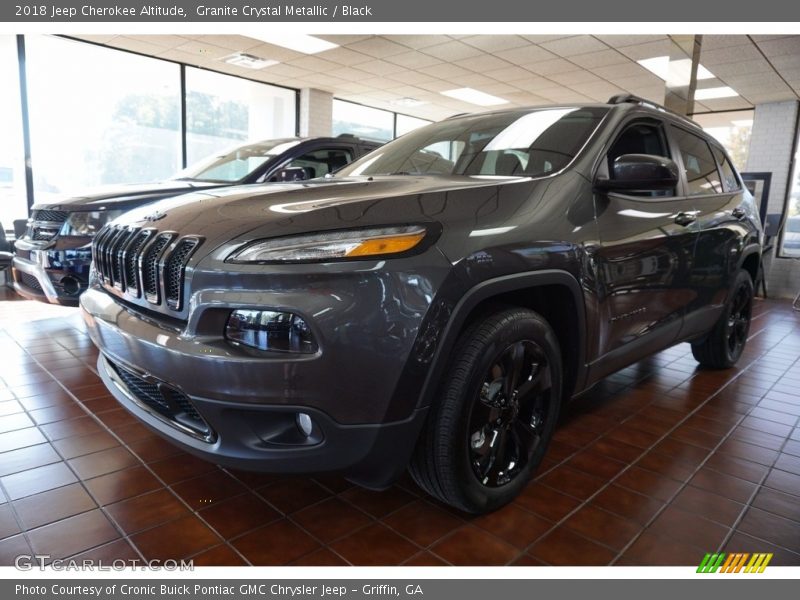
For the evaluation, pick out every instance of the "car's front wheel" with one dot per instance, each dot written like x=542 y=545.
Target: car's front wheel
x=723 y=346
x=493 y=419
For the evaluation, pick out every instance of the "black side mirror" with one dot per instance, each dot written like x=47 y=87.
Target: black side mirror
x=641 y=172
x=292 y=174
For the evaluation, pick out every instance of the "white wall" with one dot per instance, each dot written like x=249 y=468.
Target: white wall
x=316 y=112
x=771 y=146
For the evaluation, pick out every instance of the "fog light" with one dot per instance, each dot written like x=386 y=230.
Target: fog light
x=270 y=330
x=305 y=424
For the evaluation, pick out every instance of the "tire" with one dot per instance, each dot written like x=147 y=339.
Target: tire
x=724 y=344
x=495 y=413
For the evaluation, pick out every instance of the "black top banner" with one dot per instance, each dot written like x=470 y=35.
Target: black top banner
x=462 y=11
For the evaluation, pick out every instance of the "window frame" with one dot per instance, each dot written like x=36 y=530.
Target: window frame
x=682 y=166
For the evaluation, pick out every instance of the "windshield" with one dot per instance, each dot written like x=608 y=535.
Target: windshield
x=234 y=164
x=510 y=144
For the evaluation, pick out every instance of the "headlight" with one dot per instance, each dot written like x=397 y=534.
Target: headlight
x=87 y=224
x=333 y=245
x=270 y=330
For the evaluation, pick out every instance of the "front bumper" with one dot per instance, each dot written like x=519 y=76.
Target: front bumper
x=56 y=273
x=32 y=282
x=251 y=403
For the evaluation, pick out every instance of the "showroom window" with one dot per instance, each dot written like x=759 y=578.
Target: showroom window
x=13 y=198
x=223 y=111
x=790 y=240
x=115 y=119
x=362 y=121
x=404 y=124
x=731 y=129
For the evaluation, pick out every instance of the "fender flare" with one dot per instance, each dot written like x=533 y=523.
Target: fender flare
x=494 y=287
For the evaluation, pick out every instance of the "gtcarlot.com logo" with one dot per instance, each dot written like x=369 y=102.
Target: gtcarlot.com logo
x=735 y=562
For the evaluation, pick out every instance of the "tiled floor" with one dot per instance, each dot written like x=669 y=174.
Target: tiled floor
x=658 y=465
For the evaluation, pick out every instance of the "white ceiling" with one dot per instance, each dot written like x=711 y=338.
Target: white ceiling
x=525 y=70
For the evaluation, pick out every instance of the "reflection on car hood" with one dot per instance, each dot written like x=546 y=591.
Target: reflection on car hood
x=122 y=196
x=285 y=209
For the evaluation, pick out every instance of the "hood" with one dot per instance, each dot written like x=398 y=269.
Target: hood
x=274 y=210
x=122 y=196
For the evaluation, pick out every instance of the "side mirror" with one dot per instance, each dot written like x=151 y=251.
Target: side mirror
x=641 y=172
x=292 y=174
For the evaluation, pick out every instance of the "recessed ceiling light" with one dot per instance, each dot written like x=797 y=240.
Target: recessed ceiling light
x=299 y=42
x=681 y=69
x=407 y=102
x=474 y=97
x=715 y=92
x=248 y=61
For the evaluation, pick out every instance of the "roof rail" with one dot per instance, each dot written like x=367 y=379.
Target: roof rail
x=632 y=99
x=455 y=116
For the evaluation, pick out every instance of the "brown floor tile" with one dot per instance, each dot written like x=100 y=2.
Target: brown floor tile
x=563 y=547
x=603 y=527
x=688 y=527
x=119 y=485
x=103 y=462
x=180 y=467
x=649 y=483
x=741 y=542
x=14 y=440
x=70 y=427
x=627 y=503
x=278 y=543
x=706 y=504
x=425 y=559
x=728 y=486
x=374 y=545
x=147 y=510
x=34 y=481
x=207 y=489
x=73 y=535
x=332 y=519
x=470 y=545
x=218 y=556
x=658 y=550
x=58 y=398
x=620 y=451
x=320 y=558
x=56 y=413
x=666 y=465
x=8 y=522
x=758 y=438
x=596 y=464
x=87 y=444
x=573 y=482
x=771 y=528
x=11 y=548
x=547 y=502
x=29 y=457
x=176 y=539
x=108 y=553
x=118 y=417
x=153 y=449
x=292 y=494
x=238 y=515
x=378 y=504
x=514 y=525
x=737 y=467
x=778 y=503
x=53 y=505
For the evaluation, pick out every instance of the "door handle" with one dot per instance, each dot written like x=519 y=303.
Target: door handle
x=738 y=213
x=685 y=218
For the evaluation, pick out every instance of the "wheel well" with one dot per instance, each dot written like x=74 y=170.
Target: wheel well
x=751 y=265
x=558 y=307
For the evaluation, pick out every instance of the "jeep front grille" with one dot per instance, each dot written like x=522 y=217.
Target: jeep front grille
x=144 y=263
x=44 y=225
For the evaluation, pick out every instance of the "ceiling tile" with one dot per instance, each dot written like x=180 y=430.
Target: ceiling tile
x=509 y=74
x=548 y=67
x=343 y=40
x=381 y=67
x=203 y=50
x=418 y=41
x=286 y=70
x=538 y=39
x=312 y=63
x=412 y=77
x=496 y=43
x=272 y=52
x=646 y=50
x=579 y=44
x=604 y=58
x=484 y=62
x=238 y=43
x=452 y=51
x=136 y=44
x=629 y=69
x=413 y=60
x=570 y=77
x=378 y=47
x=526 y=55
x=714 y=42
x=446 y=71
x=709 y=58
x=620 y=41
x=758 y=65
x=344 y=56
x=782 y=46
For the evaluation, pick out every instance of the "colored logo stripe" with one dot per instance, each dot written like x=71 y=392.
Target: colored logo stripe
x=734 y=562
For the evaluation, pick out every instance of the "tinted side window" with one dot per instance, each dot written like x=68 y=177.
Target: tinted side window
x=729 y=180
x=702 y=176
x=321 y=162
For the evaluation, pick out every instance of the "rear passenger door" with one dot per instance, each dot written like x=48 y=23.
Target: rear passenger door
x=718 y=197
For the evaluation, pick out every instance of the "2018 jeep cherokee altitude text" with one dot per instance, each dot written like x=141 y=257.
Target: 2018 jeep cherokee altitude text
x=433 y=304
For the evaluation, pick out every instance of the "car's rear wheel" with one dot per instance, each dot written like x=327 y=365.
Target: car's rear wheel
x=495 y=414
x=723 y=346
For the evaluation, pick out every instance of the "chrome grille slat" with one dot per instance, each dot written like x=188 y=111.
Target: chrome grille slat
x=143 y=263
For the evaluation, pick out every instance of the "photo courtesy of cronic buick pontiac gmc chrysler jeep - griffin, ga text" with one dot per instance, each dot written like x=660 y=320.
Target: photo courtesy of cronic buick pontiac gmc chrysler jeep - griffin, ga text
x=434 y=304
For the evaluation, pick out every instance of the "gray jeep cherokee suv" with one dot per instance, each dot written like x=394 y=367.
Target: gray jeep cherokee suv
x=434 y=303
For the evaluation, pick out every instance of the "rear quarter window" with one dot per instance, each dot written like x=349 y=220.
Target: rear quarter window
x=702 y=176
